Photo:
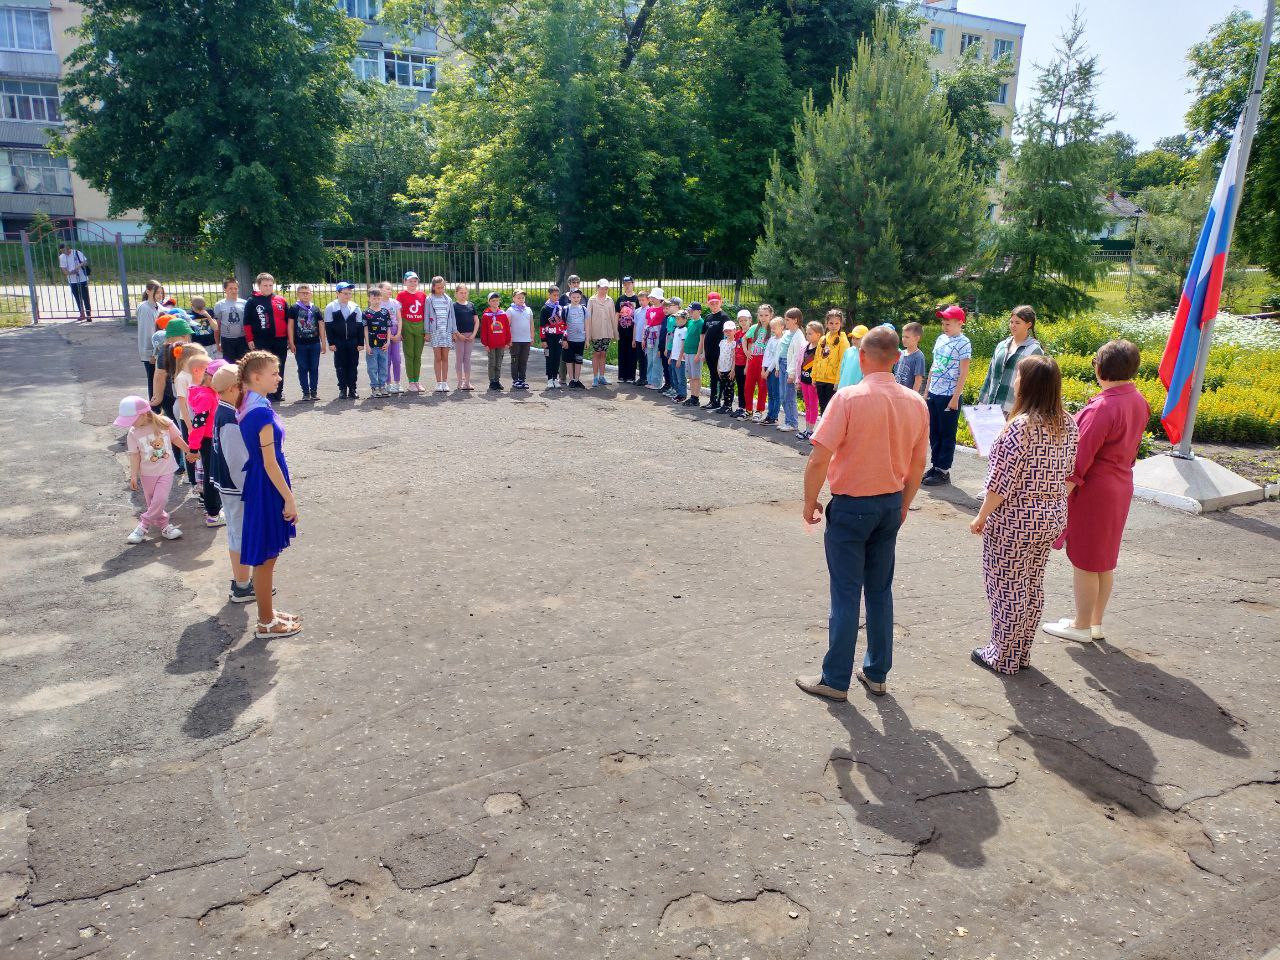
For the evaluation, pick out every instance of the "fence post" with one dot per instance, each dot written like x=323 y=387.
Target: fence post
x=368 y=276
x=31 y=278
x=475 y=263
x=124 y=281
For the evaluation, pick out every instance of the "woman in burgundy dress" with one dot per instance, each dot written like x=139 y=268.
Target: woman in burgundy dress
x=1101 y=487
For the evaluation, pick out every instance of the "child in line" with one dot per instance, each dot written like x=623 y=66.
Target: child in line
x=464 y=313
x=757 y=387
x=395 y=353
x=693 y=347
x=306 y=341
x=551 y=329
x=793 y=354
x=495 y=334
x=773 y=357
x=655 y=315
x=150 y=443
x=575 y=338
x=413 y=308
x=910 y=368
x=952 y=352
x=676 y=353
x=188 y=360
x=740 y=363
x=831 y=350
x=813 y=336
x=227 y=463
x=442 y=324
x=377 y=343
x=521 y=319
x=203 y=402
x=850 y=365
x=670 y=306
x=229 y=314
x=724 y=366
x=204 y=326
x=344 y=330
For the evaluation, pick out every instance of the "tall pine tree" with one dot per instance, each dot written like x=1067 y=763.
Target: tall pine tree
x=881 y=197
x=233 y=141
x=1043 y=251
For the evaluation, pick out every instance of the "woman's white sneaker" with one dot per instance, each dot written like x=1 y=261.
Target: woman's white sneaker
x=1064 y=630
x=139 y=534
x=171 y=532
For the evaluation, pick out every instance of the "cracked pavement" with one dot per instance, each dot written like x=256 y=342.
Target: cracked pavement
x=544 y=707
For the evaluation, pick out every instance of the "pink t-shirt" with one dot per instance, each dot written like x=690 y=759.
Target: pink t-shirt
x=873 y=430
x=155 y=449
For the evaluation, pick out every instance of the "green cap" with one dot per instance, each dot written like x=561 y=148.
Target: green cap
x=177 y=328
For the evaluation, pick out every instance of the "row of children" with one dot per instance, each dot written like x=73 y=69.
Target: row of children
x=231 y=431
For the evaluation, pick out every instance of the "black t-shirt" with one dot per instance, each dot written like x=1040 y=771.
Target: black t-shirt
x=378 y=323
x=632 y=299
x=306 y=322
x=465 y=313
x=714 y=331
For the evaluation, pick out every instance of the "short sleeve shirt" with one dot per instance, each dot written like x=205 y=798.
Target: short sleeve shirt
x=873 y=430
x=693 y=334
x=948 y=352
x=73 y=258
x=155 y=450
x=908 y=368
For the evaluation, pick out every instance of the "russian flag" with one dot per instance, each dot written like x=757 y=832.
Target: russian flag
x=1200 y=297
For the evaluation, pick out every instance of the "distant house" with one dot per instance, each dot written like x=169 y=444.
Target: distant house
x=1123 y=217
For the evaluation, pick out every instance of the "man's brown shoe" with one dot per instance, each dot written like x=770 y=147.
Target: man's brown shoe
x=878 y=689
x=815 y=686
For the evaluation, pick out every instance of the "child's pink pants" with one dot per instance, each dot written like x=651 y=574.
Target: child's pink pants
x=155 y=491
x=810 y=394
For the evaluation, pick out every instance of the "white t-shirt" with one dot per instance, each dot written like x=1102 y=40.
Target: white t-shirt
x=73 y=260
x=677 y=342
x=521 y=319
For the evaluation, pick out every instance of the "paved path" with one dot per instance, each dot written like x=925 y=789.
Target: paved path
x=544 y=708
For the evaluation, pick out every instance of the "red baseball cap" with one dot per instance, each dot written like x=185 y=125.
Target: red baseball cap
x=953 y=312
x=714 y=296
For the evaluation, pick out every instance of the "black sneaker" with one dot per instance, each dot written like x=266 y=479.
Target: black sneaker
x=937 y=478
x=692 y=402
x=770 y=420
x=241 y=594
x=494 y=385
x=577 y=385
x=724 y=409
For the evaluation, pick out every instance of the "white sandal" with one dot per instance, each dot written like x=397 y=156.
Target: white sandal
x=277 y=628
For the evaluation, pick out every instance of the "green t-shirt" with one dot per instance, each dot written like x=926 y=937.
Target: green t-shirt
x=694 y=328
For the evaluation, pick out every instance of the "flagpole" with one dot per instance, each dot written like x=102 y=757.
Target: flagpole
x=1251 y=109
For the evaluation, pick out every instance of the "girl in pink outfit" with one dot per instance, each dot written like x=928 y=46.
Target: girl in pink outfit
x=150 y=443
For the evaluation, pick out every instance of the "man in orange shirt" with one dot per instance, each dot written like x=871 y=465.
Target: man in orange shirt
x=871 y=448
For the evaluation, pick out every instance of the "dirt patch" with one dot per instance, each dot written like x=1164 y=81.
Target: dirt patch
x=624 y=762
x=428 y=860
x=500 y=804
x=770 y=921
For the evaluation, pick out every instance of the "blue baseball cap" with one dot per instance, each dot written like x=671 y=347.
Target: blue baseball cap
x=344 y=286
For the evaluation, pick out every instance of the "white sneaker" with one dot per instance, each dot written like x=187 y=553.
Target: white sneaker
x=758 y=418
x=171 y=532
x=139 y=534
x=1064 y=630
x=444 y=388
x=783 y=426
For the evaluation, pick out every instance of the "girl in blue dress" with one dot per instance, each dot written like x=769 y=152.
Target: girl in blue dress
x=269 y=508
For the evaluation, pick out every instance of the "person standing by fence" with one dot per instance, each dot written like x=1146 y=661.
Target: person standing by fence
x=412 y=311
x=148 y=311
x=229 y=312
x=76 y=267
x=602 y=329
x=267 y=319
x=344 y=331
x=628 y=344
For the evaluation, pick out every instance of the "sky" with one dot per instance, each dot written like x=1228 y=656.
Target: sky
x=1141 y=46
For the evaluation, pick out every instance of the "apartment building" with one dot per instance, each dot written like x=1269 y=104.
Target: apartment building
x=952 y=32
x=36 y=38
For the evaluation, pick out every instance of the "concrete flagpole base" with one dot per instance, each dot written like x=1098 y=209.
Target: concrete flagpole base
x=1197 y=485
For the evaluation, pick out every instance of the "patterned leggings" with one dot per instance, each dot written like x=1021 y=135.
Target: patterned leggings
x=1013 y=562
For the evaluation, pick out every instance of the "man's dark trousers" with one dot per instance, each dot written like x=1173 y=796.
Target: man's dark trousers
x=861 y=538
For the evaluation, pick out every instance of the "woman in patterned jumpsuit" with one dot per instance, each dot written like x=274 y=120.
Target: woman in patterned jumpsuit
x=1024 y=512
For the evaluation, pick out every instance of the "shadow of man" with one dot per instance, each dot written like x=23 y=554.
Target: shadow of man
x=895 y=783
x=1163 y=701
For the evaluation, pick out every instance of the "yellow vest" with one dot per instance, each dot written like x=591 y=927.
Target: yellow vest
x=826 y=369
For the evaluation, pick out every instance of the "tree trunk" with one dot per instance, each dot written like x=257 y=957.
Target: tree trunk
x=244 y=277
x=635 y=36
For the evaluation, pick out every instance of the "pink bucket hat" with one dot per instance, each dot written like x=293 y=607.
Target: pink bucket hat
x=130 y=409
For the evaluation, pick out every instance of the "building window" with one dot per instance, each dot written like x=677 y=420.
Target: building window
x=34 y=171
x=1002 y=95
x=366 y=65
x=25 y=29
x=967 y=40
x=1002 y=48
x=23 y=100
x=937 y=37
x=413 y=70
x=363 y=9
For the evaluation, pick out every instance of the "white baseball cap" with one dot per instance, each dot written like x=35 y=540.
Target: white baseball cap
x=744 y=314
x=657 y=293
x=602 y=282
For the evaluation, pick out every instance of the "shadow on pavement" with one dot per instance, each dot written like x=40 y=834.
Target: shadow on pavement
x=247 y=675
x=203 y=643
x=1164 y=702
x=1055 y=724
x=906 y=765
x=1248 y=524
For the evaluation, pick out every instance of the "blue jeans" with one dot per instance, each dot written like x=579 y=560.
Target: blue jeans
x=787 y=397
x=775 y=391
x=675 y=371
x=655 y=365
x=943 y=424
x=378 y=363
x=862 y=534
x=307 y=357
